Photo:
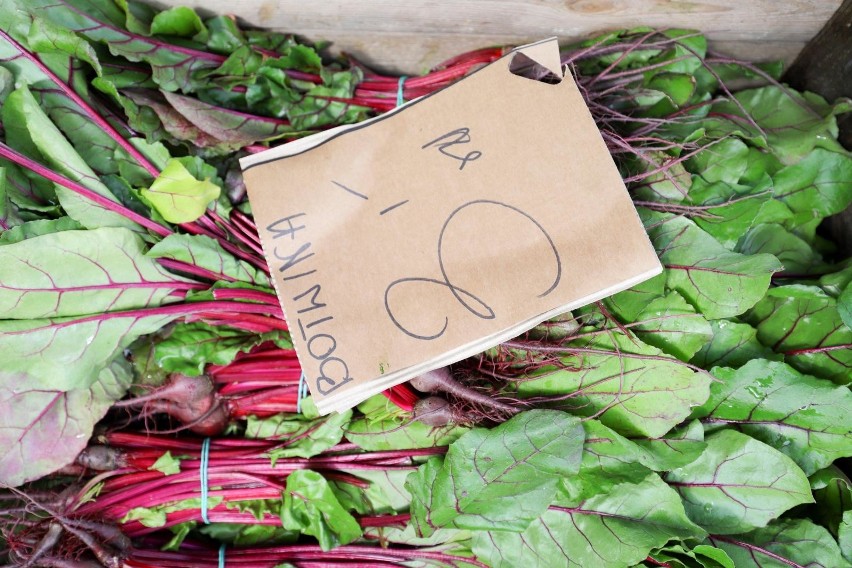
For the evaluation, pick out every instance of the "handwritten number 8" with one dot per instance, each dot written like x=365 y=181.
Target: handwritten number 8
x=471 y=302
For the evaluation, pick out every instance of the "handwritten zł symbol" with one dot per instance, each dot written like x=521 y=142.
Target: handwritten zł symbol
x=445 y=142
x=470 y=301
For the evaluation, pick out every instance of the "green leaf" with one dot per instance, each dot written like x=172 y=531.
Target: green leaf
x=45 y=37
x=102 y=21
x=178 y=196
x=166 y=464
x=311 y=507
x=833 y=494
x=732 y=345
x=630 y=386
x=35 y=135
x=42 y=429
x=793 y=542
x=844 y=306
x=791 y=124
x=818 y=186
x=803 y=323
x=178 y=21
x=738 y=484
x=237 y=534
x=190 y=347
x=801 y=416
x=680 y=447
x=724 y=161
x=703 y=556
x=605 y=450
x=498 y=479
x=672 y=325
x=727 y=211
x=155 y=517
x=795 y=254
x=37 y=228
x=233 y=128
x=611 y=530
x=204 y=252
x=719 y=283
x=627 y=305
x=68 y=353
x=844 y=536
x=384 y=426
x=9 y=216
x=300 y=437
x=109 y=272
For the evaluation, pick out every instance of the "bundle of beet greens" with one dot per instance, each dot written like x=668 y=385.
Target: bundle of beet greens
x=150 y=406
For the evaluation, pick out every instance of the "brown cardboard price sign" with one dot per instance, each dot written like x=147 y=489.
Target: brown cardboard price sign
x=461 y=219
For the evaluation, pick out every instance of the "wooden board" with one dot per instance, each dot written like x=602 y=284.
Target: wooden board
x=410 y=36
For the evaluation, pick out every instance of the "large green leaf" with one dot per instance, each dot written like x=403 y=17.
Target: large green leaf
x=802 y=322
x=738 y=484
x=793 y=542
x=611 y=530
x=801 y=416
x=74 y=273
x=498 y=479
x=43 y=429
x=630 y=386
x=718 y=282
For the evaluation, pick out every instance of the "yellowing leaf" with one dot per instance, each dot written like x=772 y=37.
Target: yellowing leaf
x=179 y=197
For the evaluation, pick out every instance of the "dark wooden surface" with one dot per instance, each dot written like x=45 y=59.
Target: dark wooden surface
x=825 y=66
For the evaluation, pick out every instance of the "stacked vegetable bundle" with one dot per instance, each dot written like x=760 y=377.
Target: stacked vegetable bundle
x=695 y=420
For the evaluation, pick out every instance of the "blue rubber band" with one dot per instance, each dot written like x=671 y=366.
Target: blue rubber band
x=222 y=556
x=301 y=393
x=205 y=460
x=399 y=90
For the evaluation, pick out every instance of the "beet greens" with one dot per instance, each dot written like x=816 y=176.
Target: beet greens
x=699 y=419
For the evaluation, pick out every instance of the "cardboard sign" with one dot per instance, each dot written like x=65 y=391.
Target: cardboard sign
x=457 y=221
